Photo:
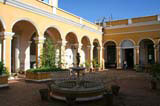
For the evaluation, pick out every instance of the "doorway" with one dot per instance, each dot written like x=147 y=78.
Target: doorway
x=129 y=57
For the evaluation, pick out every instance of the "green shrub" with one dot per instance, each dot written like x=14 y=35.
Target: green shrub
x=46 y=69
x=48 y=56
x=3 y=69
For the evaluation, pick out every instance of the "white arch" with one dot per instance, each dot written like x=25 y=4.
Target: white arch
x=128 y=44
x=87 y=38
x=3 y=22
x=110 y=41
x=128 y=40
x=149 y=38
x=97 y=40
x=29 y=20
x=74 y=34
x=55 y=27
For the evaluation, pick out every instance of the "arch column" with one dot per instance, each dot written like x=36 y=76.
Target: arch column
x=118 y=57
x=91 y=55
x=6 y=38
x=136 y=54
x=156 y=53
x=103 y=62
x=39 y=48
x=100 y=59
x=80 y=51
x=62 y=53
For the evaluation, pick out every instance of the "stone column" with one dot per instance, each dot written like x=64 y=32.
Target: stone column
x=80 y=52
x=27 y=59
x=156 y=53
x=103 y=59
x=91 y=55
x=118 y=58
x=136 y=51
x=98 y=48
x=39 y=48
x=62 y=53
x=6 y=48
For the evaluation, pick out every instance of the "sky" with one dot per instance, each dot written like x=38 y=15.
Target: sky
x=119 y=9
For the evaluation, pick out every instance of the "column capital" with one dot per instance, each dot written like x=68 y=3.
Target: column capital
x=136 y=46
x=63 y=42
x=6 y=35
x=118 y=47
x=39 y=39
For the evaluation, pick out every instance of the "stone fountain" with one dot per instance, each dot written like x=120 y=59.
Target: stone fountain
x=78 y=89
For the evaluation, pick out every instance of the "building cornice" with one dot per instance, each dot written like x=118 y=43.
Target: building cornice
x=133 y=25
x=39 y=11
x=121 y=33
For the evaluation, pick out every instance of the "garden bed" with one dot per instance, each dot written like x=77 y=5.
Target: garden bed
x=3 y=81
x=41 y=74
x=38 y=76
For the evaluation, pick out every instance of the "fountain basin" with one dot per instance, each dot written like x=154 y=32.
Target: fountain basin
x=88 y=90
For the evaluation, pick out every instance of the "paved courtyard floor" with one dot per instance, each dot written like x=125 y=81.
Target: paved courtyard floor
x=135 y=91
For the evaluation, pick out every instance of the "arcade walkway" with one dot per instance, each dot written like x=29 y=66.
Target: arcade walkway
x=135 y=91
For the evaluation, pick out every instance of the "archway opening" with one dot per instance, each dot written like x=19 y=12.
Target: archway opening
x=23 y=49
x=146 y=52
x=96 y=52
x=1 y=41
x=110 y=54
x=54 y=36
x=127 y=54
x=71 y=49
x=85 y=50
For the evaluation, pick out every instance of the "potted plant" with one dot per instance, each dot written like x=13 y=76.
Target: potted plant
x=2 y=68
x=97 y=66
x=155 y=73
x=3 y=75
x=88 y=66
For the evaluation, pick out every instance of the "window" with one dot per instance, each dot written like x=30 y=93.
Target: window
x=46 y=1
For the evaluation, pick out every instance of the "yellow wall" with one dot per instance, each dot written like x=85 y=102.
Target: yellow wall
x=144 y=19
x=39 y=4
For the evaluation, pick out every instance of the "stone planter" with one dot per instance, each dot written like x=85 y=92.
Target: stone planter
x=38 y=76
x=3 y=81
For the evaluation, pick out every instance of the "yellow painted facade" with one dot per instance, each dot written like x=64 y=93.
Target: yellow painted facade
x=22 y=18
x=24 y=22
x=134 y=30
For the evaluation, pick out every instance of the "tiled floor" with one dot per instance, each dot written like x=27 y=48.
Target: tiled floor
x=135 y=91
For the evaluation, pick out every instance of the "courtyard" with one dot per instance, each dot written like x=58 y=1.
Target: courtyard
x=135 y=90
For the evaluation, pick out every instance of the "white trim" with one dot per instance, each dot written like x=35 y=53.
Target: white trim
x=132 y=41
x=3 y=22
x=39 y=11
x=129 y=21
x=55 y=27
x=43 y=80
x=28 y=20
x=134 y=25
x=4 y=85
x=4 y=52
x=158 y=17
x=132 y=32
